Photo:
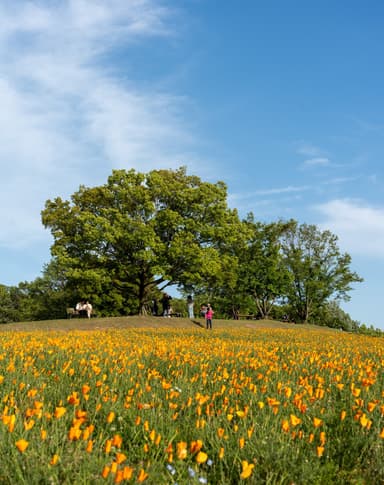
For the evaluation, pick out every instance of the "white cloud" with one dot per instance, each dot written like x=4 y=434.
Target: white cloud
x=360 y=227
x=317 y=161
x=83 y=20
x=67 y=118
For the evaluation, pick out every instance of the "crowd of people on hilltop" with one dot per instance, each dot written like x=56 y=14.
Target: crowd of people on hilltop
x=85 y=309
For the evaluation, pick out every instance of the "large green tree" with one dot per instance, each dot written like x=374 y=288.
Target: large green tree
x=121 y=242
x=319 y=271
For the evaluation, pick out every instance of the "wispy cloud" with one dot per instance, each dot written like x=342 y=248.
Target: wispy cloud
x=314 y=156
x=340 y=180
x=316 y=162
x=360 y=227
x=68 y=115
x=308 y=149
x=272 y=191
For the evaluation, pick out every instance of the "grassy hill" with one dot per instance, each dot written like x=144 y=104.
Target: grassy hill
x=148 y=321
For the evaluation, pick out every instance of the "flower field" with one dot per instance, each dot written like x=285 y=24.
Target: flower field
x=187 y=406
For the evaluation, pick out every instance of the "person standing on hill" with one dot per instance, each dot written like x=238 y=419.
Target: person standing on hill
x=166 y=303
x=190 y=307
x=209 y=316
x=203 y=310
x=88 y=308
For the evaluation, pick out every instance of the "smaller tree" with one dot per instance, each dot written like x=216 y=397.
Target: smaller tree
x=9 y=304
x=331 y=315
x=319 y=271
x=47 y=296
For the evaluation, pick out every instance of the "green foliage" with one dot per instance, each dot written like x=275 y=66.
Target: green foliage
x=47 y=296
x=370 y=330
x=139 y=232
x=9 y=304
x=319 y=271
x=331 y=315
x=263 y=274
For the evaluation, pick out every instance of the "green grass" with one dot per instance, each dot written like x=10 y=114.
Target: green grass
x=149 y=321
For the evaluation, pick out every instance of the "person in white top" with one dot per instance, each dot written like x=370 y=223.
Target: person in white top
x=88 y=308
x=81 y=308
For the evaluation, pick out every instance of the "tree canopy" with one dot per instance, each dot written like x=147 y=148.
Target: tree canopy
x=141 y=232
x=263 y=274
x=319 y=271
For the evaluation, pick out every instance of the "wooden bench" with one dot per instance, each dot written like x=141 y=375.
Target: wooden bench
x=72 y=312
x=247 y=317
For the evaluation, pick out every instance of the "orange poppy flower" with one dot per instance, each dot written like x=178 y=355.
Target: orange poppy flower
x=142 y=476
x=120 y=458
x=110 y=417
x=127 y=472
x=181 y=450
x=22 y=445
x=196 y=446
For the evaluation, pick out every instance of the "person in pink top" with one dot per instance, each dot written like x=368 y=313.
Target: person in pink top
x=208 y=316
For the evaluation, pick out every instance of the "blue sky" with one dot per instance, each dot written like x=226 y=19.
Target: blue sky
x=281 y=100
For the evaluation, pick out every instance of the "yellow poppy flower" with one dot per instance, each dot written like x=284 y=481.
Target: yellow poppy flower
x=59 y=412
x=201 y=457
x=247 y=469
x=54 y=460
x=295 y=421
x=317 y=422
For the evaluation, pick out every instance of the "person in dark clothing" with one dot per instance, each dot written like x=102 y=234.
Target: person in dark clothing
x=166 y=303
x=209 y=316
